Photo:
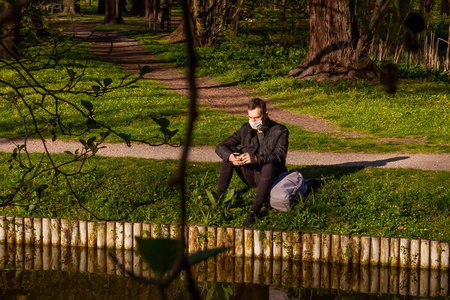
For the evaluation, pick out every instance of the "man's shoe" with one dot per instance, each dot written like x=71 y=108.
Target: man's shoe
x=250 y=219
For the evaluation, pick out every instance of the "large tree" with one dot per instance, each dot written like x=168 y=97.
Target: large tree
x=113 y=12
x=72 y=7
x=209 y=20
x=137 y=8
x=338 y=47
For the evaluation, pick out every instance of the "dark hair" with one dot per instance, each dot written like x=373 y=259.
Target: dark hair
x=257 y=103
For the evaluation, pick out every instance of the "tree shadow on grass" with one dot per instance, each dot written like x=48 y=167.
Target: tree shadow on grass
x=340 y=170
x=343 y=169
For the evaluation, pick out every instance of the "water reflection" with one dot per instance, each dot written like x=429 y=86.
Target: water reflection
x=264 y=279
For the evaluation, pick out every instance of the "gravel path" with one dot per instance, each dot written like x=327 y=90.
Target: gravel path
x=207 y=154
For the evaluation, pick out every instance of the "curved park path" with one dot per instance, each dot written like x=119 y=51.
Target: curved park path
x=129 y=54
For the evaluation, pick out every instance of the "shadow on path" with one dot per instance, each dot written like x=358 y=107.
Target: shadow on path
x=376 y=163
x=339 y=170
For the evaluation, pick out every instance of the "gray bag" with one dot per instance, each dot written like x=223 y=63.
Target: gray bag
x=286 y=188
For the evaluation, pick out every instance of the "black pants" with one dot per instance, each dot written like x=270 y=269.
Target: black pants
x=253 y=176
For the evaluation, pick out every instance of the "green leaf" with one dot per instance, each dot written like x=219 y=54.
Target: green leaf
x=159 y=254
x=42 y=187
x=88 y=105
x=163 y=122
x=229 y=195
x=71 y=74
x=11 y=94
x=125 y=136
x=92 y=125
x=82 y=142
x=105 y=134
x=107 y=81
x=173 y=132
x=90 y=142
x=204 y=255
x=14 y=154
x=168 y=133
x=211 y=291
x=211 y=198
x=227 y=289
x=68 y=152
x=144 y=70
x=96 y=88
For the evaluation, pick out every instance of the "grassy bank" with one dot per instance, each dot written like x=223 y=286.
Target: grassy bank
x=356 y=201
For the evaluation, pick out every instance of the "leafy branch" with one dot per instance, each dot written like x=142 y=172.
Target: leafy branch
x=39 y=107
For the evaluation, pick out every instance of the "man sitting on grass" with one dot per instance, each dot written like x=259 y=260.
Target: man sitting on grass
x=257 y=151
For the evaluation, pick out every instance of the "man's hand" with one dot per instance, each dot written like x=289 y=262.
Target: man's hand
x=247 y=158
x=243 y=159
x=236 y=161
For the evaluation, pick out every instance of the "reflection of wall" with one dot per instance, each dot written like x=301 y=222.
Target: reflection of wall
x=305 y=246
x=223 y=268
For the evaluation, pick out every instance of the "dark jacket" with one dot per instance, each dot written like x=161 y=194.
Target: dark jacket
x=273 y=149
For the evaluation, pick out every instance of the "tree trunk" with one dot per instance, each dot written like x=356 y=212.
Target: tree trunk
x=155 y=15
x=148 y=8
x=72 y=7
x=336 y=48
x=113 y=14
x=209 y=19
x=425 y=6
x=165 y=13
x=101 y=7
x=212 y=18
x=283 y=12
x=445 y=7
x=159 y=14
x=11 y=37
x=123 y=6
x=177 y=36
x=138 y=8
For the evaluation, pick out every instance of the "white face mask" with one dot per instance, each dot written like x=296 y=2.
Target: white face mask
x=256 y=125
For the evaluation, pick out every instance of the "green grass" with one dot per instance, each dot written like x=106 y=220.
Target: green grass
x=419 y=111
x=130 y=110
x=351 y=200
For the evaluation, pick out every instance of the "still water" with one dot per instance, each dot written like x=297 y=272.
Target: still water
x=27 y=272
